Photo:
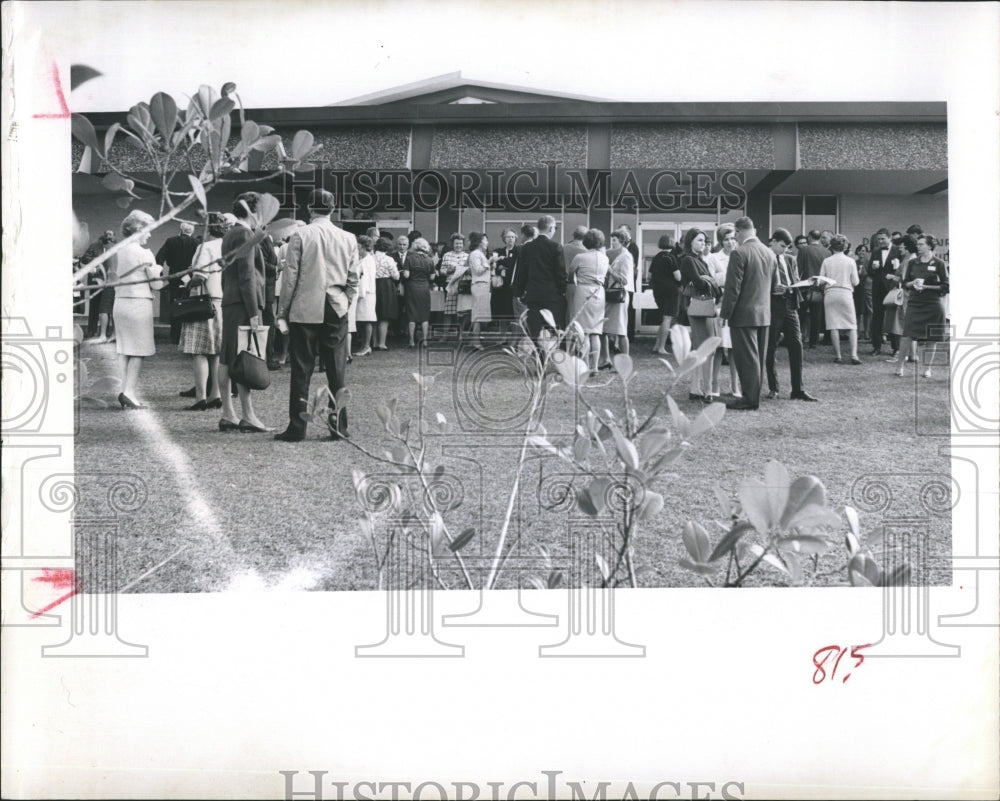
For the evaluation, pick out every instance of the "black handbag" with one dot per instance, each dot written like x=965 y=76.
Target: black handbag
x=614 y=291
x=465 y=284
x=192 y=309
x=250 y=370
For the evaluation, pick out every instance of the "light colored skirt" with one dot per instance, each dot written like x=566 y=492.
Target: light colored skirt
x=586 y=306
x=482 y=312
x=365 y=311
x=204 y=337
x=134 y=326
x=616 y=322
x=838 y=305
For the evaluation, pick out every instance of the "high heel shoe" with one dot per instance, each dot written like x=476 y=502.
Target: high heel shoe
x=249 y=428
x=197 y=406
x=128 y=403
x=214 y=404
x=228 y=425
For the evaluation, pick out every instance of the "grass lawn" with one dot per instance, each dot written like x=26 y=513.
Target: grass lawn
x=246 y=511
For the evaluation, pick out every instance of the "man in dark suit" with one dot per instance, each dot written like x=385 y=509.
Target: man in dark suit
x=881 y=269
x=176 y=255
x=751 y=279
x=541 y=277
x=785 y=319
x=810 y=259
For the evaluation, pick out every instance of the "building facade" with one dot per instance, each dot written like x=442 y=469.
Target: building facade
x=449 y=155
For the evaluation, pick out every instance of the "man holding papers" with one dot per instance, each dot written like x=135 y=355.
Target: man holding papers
x=785 y=319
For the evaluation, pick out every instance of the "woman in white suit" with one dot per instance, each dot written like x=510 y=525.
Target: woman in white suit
x=133 y=309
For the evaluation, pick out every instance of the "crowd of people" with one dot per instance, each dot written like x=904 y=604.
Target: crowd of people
x=318 y=290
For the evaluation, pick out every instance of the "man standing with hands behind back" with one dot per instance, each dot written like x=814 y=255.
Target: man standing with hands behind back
x=319 y=282
x=746 y=304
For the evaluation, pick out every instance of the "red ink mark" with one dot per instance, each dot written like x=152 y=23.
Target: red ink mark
x=59 y=580
x=57 y=88
x=827 y=651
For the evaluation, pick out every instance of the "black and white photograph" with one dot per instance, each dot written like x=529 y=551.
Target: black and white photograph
x=351 y=353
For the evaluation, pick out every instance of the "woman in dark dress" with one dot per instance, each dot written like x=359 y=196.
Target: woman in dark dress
x=242 y=305
x=926 y=281
x=665 y=276
x=416 y=275
x=503 y=271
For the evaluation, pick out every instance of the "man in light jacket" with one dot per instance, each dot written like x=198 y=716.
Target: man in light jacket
x=318 y=284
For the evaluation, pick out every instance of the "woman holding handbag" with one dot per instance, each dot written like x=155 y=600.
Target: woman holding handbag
x=926 y=279
x=242 y=306
x=619 y=284
x=202 y=339
x=588 y=271
x=704 y=293
x=895 y=300
x=133 y=309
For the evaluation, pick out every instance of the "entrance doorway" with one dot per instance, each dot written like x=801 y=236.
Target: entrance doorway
x=647 y=240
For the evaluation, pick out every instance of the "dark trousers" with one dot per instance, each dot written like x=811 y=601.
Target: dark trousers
x=879 y=292
x=535 y=320
x=817 y=318
x=329 y=339
x=272 y=332
x=749 y=352
x=784 y=320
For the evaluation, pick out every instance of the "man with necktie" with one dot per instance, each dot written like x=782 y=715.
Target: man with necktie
x=785 y=319
x=882 y=271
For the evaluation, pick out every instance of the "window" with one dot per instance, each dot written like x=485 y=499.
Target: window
x=800 y=213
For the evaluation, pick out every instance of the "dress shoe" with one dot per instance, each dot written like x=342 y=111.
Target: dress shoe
x=740 y=406
x=215 y=403
x=712 y=399
x=228 y=425
x=695 y=396
x=876 y=352
x=338 y=428
x=838 y=360
x=197 y=406
x=273 y=366
x=249 y=428
x=803 y=396
x=288 y=435
x=188 y=393
x=772 y=394
x=855 y=361
x=128 y=403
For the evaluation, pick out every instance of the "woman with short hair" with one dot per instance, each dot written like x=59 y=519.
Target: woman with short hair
x=202 y=339
x=133 y=308
x=926 y=279
x=838 y=297
x=621 y=272
x=386 y=291
x=665 y=276
x=364 y=310
x=481 y=268
x=453 y=267
x=416 y=275
x=588 y=271
x=242 y=305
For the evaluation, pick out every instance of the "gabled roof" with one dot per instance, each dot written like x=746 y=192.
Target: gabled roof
x=453 y=88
